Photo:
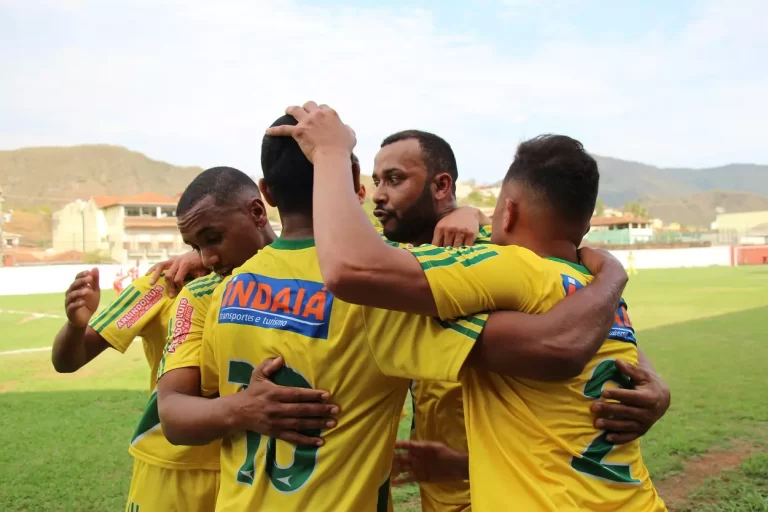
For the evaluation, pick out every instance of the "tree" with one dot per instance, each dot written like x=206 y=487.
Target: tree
x=600 y=208
x=636 y=209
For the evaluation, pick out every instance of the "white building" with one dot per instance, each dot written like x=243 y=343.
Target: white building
x=122 y=228
x=623 y=230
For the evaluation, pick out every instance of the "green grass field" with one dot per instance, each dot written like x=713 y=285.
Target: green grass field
x=64 y=437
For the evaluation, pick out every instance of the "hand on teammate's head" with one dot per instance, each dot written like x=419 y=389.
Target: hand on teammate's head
x=82 y=298
x=319 y=129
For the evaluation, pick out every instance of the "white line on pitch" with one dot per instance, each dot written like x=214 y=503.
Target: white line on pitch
x=30 y=313
x=40 y=349
x=24 y=351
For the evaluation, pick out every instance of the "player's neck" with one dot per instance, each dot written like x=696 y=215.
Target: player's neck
x=547 y=248
x=296 y=226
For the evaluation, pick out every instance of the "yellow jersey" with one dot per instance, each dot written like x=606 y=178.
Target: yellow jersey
x=438 y=415
x=185 y=331
x=144 y=310
x=532 y=444
x=277 y=305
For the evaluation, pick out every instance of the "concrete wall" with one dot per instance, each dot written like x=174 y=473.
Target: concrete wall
x=678 y=258
x=53 y=278
x=57 y=278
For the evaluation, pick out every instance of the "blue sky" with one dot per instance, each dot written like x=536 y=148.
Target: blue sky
x=195 y=82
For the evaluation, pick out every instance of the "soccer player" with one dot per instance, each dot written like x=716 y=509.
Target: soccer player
x=631 y=267
x=277 y=305
x=415 y=174
x=220 y=209
x=532 y=444
x=165 y=477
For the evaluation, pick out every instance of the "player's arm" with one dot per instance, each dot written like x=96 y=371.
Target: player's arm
x=77 y=343
x=368 y=270
x=554 y=346
x=263 y=407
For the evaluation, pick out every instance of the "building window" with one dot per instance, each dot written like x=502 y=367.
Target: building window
x=167 y=211
x=140 y=211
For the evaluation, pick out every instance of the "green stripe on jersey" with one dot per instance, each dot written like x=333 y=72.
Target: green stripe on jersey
x=106 y=311
x=477 y=321
x=461 y=329
x=124 y=306
x=203 y=282
x=118 y=303
x=203 y=293
x=453 y=260
x=150 y=419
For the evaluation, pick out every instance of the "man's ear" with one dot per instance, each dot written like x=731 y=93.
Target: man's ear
x=266 y=193
x=443 y=183
x=259 y=212
x=356 y=176
x=511 y=214
x=361 y=194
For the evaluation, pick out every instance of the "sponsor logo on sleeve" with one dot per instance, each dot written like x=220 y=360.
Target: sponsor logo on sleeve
x=622 y=329
x=182 y=324
x=141 y=308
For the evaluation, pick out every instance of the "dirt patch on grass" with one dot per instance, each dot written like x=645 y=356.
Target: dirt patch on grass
x=7 y=386
x=676 y=489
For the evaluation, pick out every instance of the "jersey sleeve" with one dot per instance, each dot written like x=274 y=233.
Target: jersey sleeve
x=209 y=366
x=420 y=347
x=484 y=235
x=484 y=277
x=185 y=332
x=125 y=319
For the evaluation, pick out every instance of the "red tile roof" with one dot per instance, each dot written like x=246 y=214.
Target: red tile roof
x=138 y=199
x=612 y=221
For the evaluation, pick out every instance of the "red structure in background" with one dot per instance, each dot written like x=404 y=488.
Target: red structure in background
x=751 y=255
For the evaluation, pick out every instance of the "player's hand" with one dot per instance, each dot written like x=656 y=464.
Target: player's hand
x=458 y=228
x=421 y=461
x=176 y=271
x=283 y=412
x=319 y=130
x=600 y=261
x=82 y=298
x=638 y=409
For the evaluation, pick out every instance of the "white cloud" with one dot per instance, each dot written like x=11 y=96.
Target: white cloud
x=196 y=82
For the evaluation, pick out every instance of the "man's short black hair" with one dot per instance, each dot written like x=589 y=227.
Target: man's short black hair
x=558 y=169
x=436 y=152
x=287 y=171
x=224 y=184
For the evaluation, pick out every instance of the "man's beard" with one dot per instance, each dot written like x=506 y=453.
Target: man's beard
x=417 y=223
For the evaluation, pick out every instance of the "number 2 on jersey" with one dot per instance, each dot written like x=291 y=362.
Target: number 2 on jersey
x=591 y=460
x=284 y=479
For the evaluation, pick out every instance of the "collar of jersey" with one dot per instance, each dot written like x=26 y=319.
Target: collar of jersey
x=580 y=268
x=292 y=244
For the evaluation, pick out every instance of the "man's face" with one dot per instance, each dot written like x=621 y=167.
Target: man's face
x=224 y=236
x=403 y=196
